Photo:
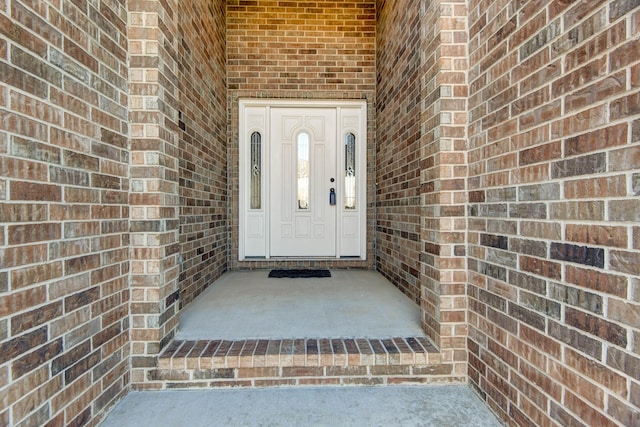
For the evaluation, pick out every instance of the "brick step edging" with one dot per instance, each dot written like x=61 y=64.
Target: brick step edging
x=298 y=353
x=296 y=362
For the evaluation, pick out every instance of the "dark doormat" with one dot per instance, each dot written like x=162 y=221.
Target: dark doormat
x=296 y=274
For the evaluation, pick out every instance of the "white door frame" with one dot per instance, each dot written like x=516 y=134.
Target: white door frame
x=351 y=225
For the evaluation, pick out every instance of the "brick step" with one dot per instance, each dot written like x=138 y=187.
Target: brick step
x=289 y=362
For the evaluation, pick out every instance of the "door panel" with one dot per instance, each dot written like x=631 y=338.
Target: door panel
x=303 y=161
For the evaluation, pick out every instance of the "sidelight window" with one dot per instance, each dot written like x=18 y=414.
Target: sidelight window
x=256 y=170
x=350 y=171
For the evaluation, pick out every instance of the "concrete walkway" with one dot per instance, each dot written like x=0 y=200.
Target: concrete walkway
x=441 y=406
x=249 y=305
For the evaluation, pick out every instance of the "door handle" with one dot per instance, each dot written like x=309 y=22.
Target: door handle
x=332 y=197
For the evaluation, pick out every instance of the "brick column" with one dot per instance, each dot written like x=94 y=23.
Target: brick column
x=154 y=197
x=443 y=178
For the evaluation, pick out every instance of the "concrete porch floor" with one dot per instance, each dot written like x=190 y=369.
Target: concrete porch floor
x=249 y=305
x=438 y=406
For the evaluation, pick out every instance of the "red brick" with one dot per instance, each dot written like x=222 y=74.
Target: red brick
x=594 y=370
x=599 y=281
x=23 y=255
x=39 y=273
x=612 y=186
x=21 y=234
x=70 y=102
x=81 y=195
x=70 y=212
x=595 y=325
x=597 y=235
x=22 y=344
x=36 y=109
x=23 y=169
x=585 y=343
x=22 y=300
x=588 y=391
x=579 y=122
x=539 y=154
x=596 y=140
x=529 y=174
x=23 y=212
x=258 y=373
x=541 y=267
x=623 y=55
x=65 y=139
x=80 y=410
x=80 y=264
x=31 y=361
x=635 y=75
x=529 y=416
x=29 y=404
x=3 y=55
x=35 y=192
x=22 y=125
x=37 y=317
x=597 y=92
x=586 y=412
x=22 y=37
x=625 y=107
x=69 y=393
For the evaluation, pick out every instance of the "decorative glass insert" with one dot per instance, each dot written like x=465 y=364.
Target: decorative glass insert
x=350 y=171
x=256 y=170
x=303 y=171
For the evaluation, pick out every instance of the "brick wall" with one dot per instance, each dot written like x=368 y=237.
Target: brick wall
x=298 y=49
x=111 y=174
x=203 y=146
x=398 y=143
x=421 y=163
x=554 y=249
x=64 y=242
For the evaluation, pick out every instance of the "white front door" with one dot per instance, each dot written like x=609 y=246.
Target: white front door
x=303 y=176
x=291 y=154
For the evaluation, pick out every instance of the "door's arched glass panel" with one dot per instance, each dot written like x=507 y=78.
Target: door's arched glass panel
x=256 y=170
x=303 y=171
x=350 y=171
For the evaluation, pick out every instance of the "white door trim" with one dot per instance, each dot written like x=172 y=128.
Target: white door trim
x=255 y=116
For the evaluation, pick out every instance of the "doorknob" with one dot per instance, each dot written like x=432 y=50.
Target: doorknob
x=332 y=197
